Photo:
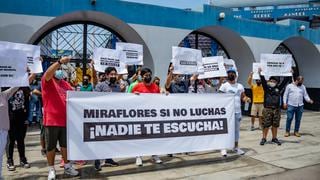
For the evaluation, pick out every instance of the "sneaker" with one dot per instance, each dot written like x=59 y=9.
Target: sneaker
x=287 y=134
x=110 y=163
x=224 y=153
x=61 y=165
x=52 y=174
x=11 y=166
x=139 y=161
x=24 y=163
x=297 y=134
x=252 y=128
x=239 y=151
x=156 y=159
x=275 y=140
x=263 y=141
x=44 y=152
x=71 y=171
x=97 y=167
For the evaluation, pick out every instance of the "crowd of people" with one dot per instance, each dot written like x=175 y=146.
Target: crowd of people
x=21 y=106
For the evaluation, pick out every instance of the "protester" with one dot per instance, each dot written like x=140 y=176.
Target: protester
x=86 y=83
x=146 y=86
x=156 y=80
x=4 y=120
x=257 y=103
x=232 y=86
x=135 y=79
x=271 y=114
x=109 y=85
x=54 y=91
x=293 y=102
x=18 y=113
x=176 y=83
x=35 y=102
x=123 y=81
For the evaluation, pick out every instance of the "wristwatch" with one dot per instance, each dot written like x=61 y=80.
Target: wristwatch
x=59 y=62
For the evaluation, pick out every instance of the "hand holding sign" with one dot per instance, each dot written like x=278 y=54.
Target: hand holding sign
x=213 y=67
x=109 y=58
x=276 y=64
x=32 y=54
x=186 y=60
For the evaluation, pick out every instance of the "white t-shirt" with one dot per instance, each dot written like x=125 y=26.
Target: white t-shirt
x=236 y=89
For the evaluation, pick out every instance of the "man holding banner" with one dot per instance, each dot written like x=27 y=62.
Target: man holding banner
x=109 y=85
x=54 y=92
x=146 y=86
x=231 y=86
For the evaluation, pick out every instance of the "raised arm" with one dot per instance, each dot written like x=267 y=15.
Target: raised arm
x=250 y=79
x=48 y=75
x=169 y=77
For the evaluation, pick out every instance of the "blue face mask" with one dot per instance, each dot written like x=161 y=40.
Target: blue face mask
x=59 y=74
x=139 y=78
x=214 y=82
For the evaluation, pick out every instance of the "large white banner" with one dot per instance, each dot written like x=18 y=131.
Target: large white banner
x=276 y=64
x=32 y=52
x=104 y=58
x=133 y=53
x=13 y=69
x=186 y=60
x=213 y=67
x=116 y=125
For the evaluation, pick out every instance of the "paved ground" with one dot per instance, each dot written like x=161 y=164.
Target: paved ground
x=297 y=158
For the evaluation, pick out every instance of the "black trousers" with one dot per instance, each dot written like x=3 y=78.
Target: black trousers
x=17 y=133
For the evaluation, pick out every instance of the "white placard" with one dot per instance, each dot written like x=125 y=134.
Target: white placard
x=213 y=67
x=133 y=53
x=186 y=61
x=276 y=64
x=32 y=53
x=13 y=69
x=229 y=64
x=116 y=125
x=104 y=58
x=255 y=70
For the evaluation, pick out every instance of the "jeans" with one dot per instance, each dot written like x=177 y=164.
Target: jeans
x=3 y=143
x=34 y=106
x=297 y=112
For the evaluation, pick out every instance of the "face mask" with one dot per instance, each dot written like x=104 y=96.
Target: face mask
x=125 y=77
x=180 y=78
x=299 y=84
x=85 y=82
x=231 y=77
x=272 y=84
x=113 y=80
x=214 y=82
x=139 y=78
x=147 y=79
x=59 y=74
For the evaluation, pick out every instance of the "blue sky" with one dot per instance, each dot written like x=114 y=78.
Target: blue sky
x=182 y=4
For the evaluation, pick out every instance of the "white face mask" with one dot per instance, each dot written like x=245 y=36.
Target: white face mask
x=125 y=77
x=272 y=84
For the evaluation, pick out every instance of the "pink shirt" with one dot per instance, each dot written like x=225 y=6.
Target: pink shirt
x=54 y=95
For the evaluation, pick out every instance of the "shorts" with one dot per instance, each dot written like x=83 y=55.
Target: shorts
x=54 y=134
x=256 y=109
x=271 y=117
